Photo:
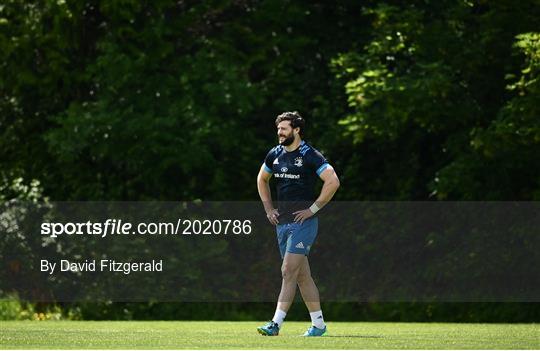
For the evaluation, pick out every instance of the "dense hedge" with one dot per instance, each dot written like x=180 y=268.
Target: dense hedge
x=398 y=312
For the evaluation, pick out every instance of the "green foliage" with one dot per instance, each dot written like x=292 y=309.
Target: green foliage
x=17 y=189
x=12 y=308
x=428 y=94
x=508 y=143
x=175 y=100
x=153 y=100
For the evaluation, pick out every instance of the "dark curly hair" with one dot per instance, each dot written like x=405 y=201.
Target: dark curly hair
x=296 y=120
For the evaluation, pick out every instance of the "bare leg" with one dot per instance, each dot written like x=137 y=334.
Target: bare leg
x=289 y=271
x=307 y=286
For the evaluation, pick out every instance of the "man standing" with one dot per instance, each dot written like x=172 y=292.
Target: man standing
x=296 y=166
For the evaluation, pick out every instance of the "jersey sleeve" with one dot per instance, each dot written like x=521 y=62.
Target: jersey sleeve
x=317 y=161
x=269 y=159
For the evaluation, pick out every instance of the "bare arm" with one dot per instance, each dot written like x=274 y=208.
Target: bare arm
x=263 y=186
x=330 y=186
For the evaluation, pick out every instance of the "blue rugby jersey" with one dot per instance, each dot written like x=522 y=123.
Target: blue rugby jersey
x=295 y=173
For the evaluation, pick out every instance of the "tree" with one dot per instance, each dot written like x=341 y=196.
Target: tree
x=431 y=78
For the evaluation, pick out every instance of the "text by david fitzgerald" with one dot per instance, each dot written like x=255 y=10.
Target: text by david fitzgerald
x=101 y=266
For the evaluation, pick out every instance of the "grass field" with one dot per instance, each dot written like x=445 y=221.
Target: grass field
x=240 y=335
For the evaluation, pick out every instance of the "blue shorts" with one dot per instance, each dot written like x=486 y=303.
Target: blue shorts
x=297 y=238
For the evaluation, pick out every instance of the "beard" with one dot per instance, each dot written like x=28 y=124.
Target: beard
x=288 y=140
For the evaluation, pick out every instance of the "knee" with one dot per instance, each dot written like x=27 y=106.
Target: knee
x=289 y=272
x=303 y=278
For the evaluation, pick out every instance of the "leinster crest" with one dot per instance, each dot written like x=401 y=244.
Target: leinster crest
x=298 y=162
